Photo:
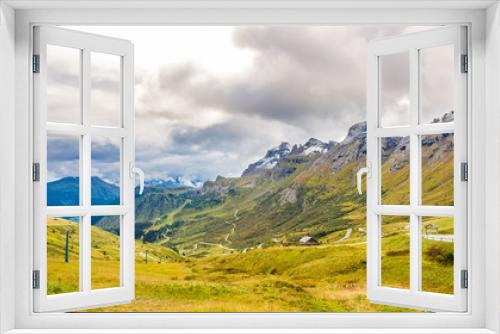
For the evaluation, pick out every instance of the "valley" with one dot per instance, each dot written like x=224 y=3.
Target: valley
x=233 y=244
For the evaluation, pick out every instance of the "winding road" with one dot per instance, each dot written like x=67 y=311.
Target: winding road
x=226 y=238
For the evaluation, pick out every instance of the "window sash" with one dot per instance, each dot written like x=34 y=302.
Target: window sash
x=414 y=297
x=86 y=297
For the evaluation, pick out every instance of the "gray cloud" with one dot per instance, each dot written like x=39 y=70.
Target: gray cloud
x=297 y=77
x=63 y=154
x=63 y=148
x=303 y=82
x=107 y=150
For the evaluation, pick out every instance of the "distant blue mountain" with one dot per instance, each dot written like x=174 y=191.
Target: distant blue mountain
x=174 y=182
x=66 y=192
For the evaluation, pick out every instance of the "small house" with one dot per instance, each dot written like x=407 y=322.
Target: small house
x=308 y=241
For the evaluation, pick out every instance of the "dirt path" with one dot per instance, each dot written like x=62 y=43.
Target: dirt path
x=439 y=237
x=352 y=244
x=226 y=238
x=217 y=245
x=346 y=236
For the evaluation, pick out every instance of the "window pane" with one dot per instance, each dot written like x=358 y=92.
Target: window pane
x=437 y=169
x=63 y=85
x=105 y=79
x=63 y=170
x=105 y=252
x=437 y=254
x=63 y=254
x=394 y=90
x=395 y=251
x=395 y=170
x=436 y=90
x=105 y=187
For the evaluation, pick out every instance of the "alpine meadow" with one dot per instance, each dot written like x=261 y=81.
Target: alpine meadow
x=287 y=235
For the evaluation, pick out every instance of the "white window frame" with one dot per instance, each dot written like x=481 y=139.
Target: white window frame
x=483 y=309
x=86 y=44
x=412 y=44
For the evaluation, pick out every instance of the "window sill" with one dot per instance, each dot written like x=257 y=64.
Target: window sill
x=254 y=331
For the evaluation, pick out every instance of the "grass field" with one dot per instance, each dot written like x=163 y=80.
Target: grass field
x=325 y=278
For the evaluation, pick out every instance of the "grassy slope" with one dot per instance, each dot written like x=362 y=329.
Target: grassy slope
x=330 y=277
x=64 y=277
x=278 y=279
x=326 y=203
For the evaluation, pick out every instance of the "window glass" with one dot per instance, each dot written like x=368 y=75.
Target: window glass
x=105 y=78
x=437 y=169
x=395 y=251
x=394 y=90
x=106 y=171
x=437 y=84
x=63 y=85
x=63 y=170
x=105 y=252
x=63 y=255
x=395 y=170
x=437 y=254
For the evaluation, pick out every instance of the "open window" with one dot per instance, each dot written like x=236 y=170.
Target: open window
x=414 y=222
x=192 y=230
x=83 y=103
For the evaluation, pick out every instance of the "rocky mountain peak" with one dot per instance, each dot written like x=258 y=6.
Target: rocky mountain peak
x=313 y=145
x=357 y=130
x=313 y=142
x=446 y=118
x=270 y=160
x=279 y=161
x=279 y=151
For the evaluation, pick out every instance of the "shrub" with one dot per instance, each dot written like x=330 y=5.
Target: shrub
x=439 y=254
x=398 y=252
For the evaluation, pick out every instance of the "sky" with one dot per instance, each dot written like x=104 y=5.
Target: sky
x=210 y=100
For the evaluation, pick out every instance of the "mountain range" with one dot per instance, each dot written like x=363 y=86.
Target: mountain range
x=293 y=191
x=66 y=192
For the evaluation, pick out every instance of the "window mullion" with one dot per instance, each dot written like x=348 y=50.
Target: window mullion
x=85 y=235
x=415 y=258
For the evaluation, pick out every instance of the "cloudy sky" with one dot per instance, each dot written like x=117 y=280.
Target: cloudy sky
x=211 y=100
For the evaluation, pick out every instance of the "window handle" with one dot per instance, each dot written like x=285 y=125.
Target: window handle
x=136 y=170
x=364 y=170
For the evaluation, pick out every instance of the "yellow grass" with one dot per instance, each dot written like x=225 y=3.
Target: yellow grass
x=327 y=278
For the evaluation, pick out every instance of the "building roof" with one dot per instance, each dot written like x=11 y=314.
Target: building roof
x=307 y=239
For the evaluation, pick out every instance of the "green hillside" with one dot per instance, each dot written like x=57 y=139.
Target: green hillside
x=232 y=245
x=253 y=211
x=64 y=276
x=327 y=278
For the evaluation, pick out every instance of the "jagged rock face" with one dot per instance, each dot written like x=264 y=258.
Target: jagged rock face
x=436 y=147
x=288 y=196
x=352 y=148
x=446 y=118
x=282 y=161
x=276 y=162
x=356 y=131
x=314 y=146
x=270 y=160
x=221 y=185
